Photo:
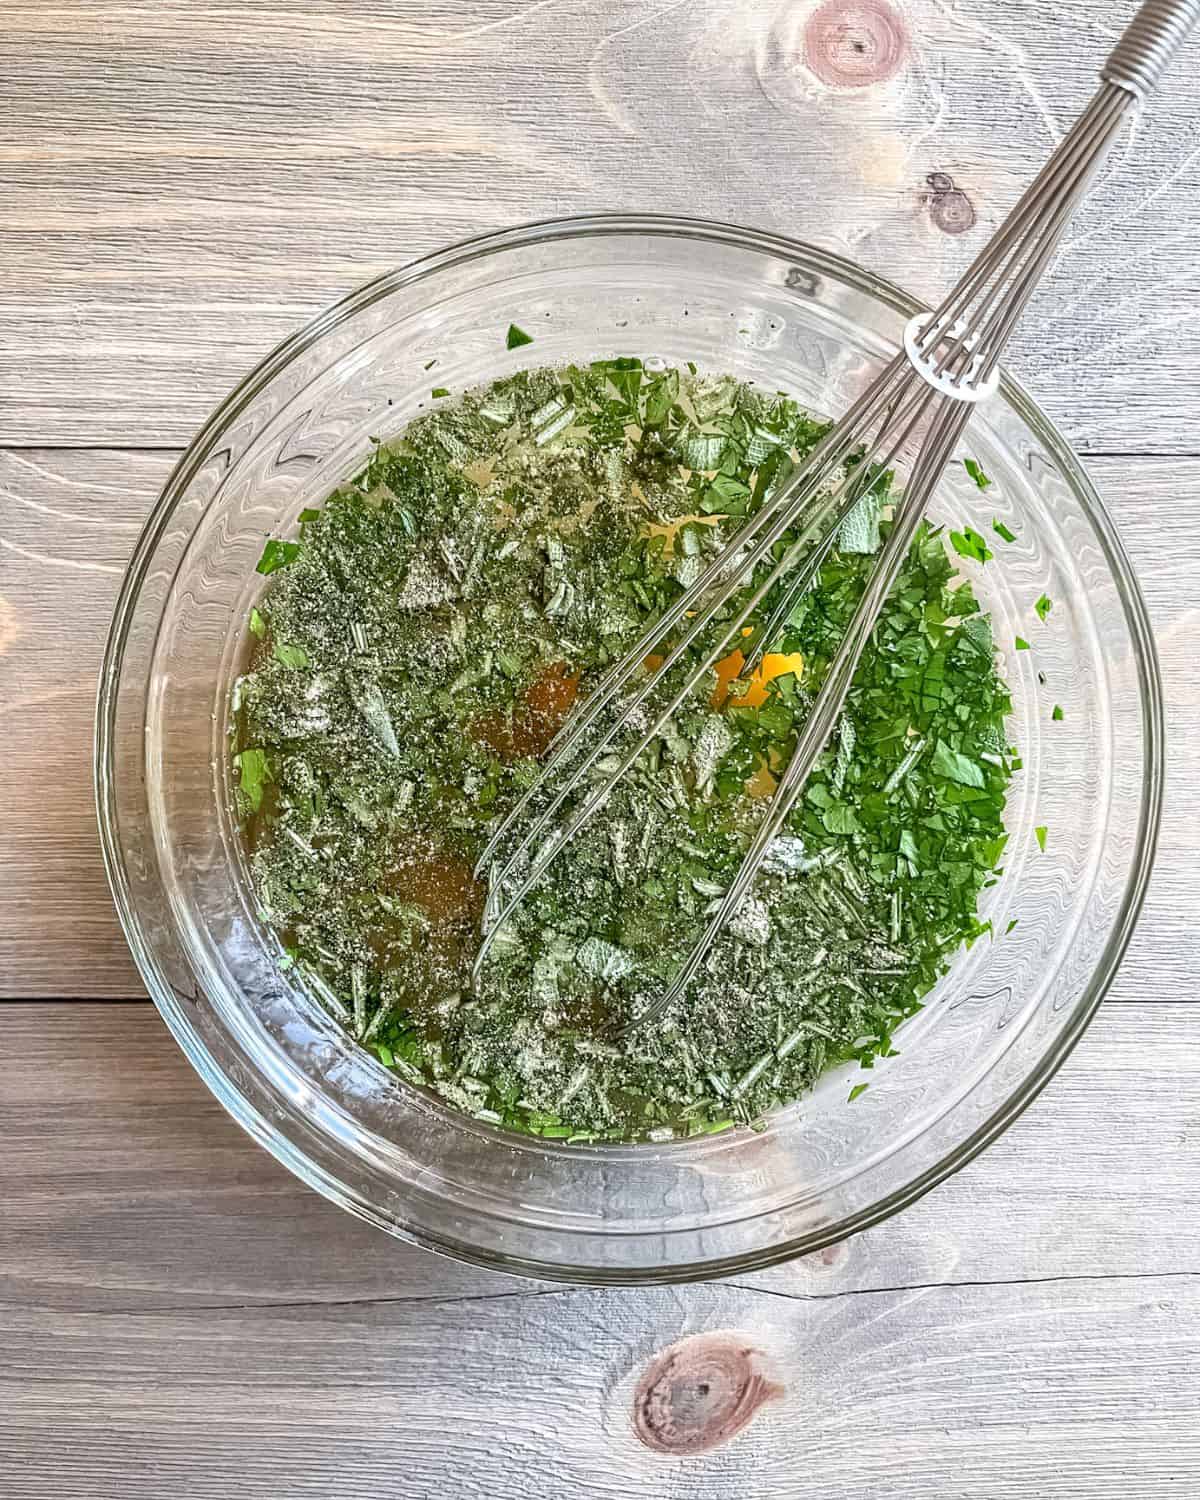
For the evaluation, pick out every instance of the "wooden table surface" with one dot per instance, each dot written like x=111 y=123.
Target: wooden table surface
x=181 y=184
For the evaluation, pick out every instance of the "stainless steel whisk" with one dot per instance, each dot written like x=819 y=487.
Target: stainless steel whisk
x=921 y=401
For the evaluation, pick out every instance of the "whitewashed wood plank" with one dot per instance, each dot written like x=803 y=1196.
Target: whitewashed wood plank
x=126 y=1188
x=68 y=522
x=1060 y=1391
x=184 y=184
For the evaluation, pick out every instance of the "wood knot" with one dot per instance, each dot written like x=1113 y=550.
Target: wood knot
x=699 y=1393
x=852 y=44
x=949 y=207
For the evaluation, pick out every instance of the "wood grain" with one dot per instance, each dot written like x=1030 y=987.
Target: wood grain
x=68 y=522
x=183 y=184
x=126 y=1188
x=1078 y=1389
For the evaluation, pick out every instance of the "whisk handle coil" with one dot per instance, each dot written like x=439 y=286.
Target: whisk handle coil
x=1149 y=44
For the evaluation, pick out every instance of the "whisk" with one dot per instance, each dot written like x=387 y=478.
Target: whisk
x=919 y=405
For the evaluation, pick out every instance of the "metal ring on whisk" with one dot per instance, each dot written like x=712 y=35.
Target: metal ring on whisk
x=963 y=385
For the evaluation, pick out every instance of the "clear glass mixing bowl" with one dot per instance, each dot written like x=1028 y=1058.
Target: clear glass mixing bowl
x=769 y=310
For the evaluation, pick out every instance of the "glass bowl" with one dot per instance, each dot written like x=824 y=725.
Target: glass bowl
x=765 y=309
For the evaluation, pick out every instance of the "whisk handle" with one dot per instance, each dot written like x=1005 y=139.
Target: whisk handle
x=1149 y=44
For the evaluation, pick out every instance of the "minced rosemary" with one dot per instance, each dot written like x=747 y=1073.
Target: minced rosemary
x=426 y=635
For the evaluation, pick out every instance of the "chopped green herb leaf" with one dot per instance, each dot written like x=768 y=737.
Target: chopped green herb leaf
x=1021 y=643
x=1011 y=925
x=277 y=555
x=840 y=818
x=968 y=543
x=957 y=767
x=859 y=1088
x=517 y=336
x=258 y=626
x=1044 y=606
x=439 y=390
x=1041 y=838
x=290 y=656
x=1002 y=531
x=254 y=771
x=977 y=474
x=1057 y=713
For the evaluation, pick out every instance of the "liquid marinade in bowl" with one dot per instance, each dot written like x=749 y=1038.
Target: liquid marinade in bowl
x=423 y=639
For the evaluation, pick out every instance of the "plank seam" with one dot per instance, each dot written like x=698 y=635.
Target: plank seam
x=205 y=1309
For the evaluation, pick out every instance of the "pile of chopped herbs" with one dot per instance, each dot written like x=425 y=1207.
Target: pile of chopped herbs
x=418 y=647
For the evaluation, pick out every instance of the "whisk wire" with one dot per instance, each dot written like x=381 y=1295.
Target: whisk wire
x=1015 y=257
x=1103 y=111
x=916 y=408
x=780 y=511
x=921 y=400
x=946 y=428
x=834 y=509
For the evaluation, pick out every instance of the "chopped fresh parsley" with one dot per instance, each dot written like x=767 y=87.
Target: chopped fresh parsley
x=1057 y=714
x=1041 y=838
x=258 y=626
x=516 y=337
x=956 y=766
x=1044 y=606
x=977 y=474
x=1004 y=532
x=438 y=391
x=859 y=1088
x=277 y=555
x=968 y=543
x=1021 y=643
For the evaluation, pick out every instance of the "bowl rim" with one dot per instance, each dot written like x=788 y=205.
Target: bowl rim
x=171 y=1003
